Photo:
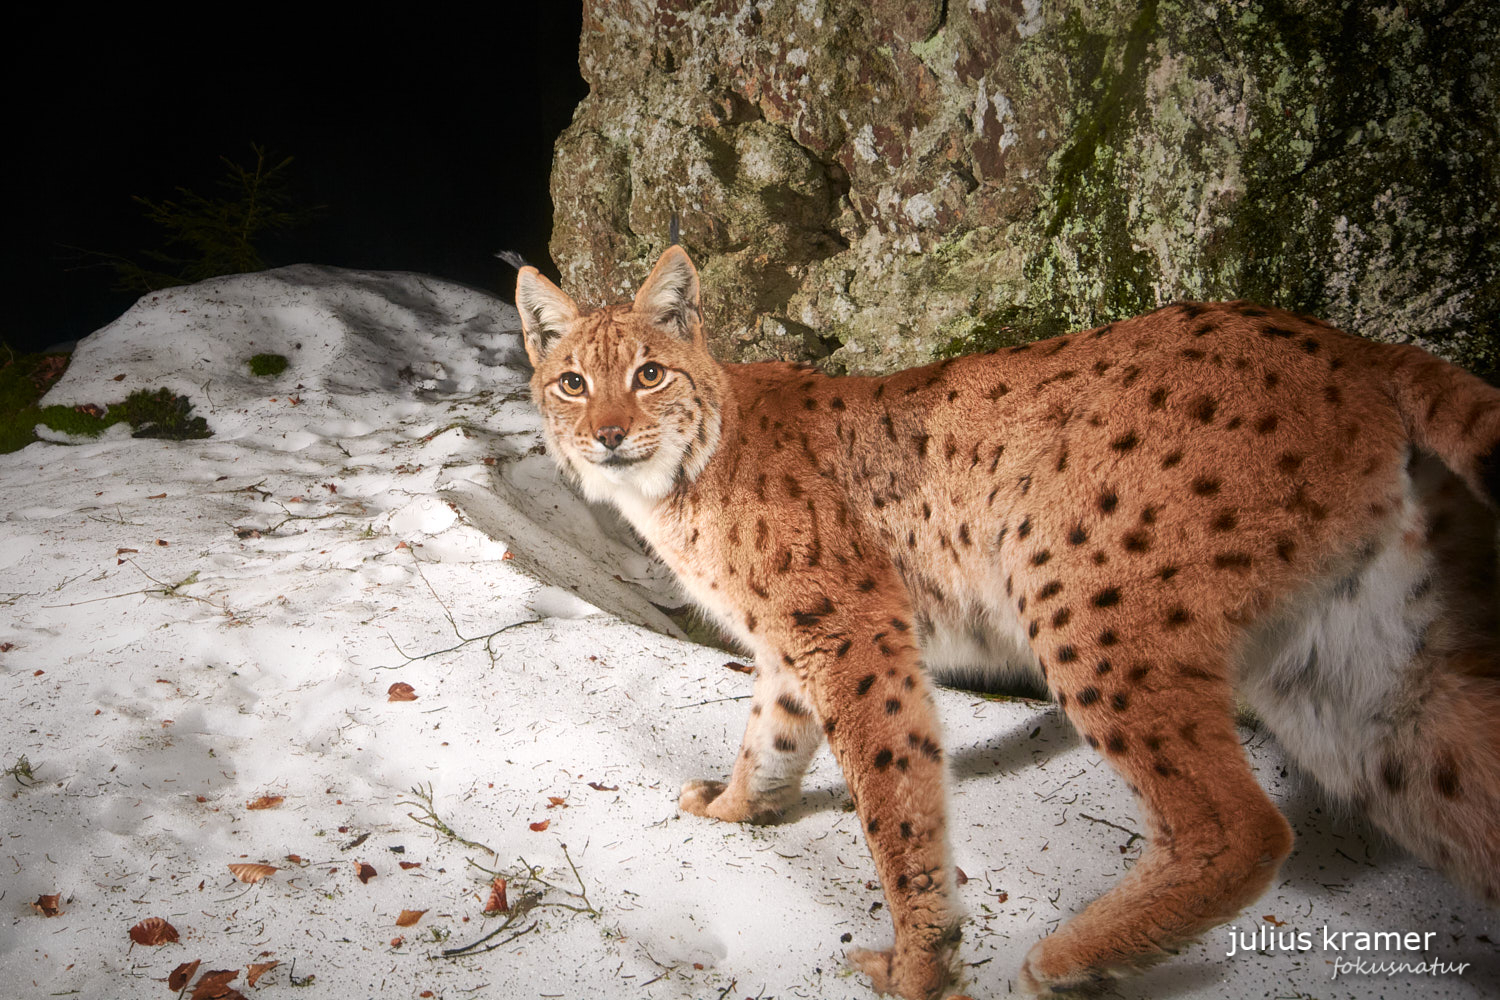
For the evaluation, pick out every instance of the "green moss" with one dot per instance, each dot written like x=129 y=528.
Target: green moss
x=1086 y=265
x=161 y=414
x=24 y=379
x=265 y=365
x=158 y=414
x=72 y=420
x=1007 y=327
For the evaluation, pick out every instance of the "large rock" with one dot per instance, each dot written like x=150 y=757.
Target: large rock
x=887 y=180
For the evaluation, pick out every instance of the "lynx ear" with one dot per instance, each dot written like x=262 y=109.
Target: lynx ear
x=546 y=312
x=669 y=298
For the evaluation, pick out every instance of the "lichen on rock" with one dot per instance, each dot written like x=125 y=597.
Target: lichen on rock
x=873 y=184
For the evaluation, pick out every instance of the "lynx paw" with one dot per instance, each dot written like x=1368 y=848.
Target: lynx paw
x=697 y=796
x=1047 y=971
x=914 y=977
x=707 y=798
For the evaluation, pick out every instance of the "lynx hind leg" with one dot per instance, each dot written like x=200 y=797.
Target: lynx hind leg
x=780 y=739
x=1435 y=788
x=1162 y=718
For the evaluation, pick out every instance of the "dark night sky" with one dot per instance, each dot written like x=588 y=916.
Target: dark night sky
x=428 y=142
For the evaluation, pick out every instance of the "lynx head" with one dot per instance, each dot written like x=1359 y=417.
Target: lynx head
x=629 y=394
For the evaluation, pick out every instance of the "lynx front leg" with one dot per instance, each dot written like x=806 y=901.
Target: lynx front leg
x=867 y=684
x=780 y=738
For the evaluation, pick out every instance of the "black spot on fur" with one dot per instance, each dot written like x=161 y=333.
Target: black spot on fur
x=1051 y=589
x=883 y=760
x=1108 y=501
x=1078 y=535
x=1206 y=486
x=1178 y=617
x=1107 y=598
x=892 y=706
x=1126 y=441
x=1088 y=696
x=865 y=684
x=791 y=706
x=1060 y=620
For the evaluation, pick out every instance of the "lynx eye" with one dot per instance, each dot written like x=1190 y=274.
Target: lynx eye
x=571 y=383
x=649 y=375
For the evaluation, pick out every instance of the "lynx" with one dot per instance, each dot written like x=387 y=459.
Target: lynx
x=1150 y=515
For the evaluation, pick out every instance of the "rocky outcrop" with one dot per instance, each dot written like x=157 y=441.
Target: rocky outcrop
x=876 y=182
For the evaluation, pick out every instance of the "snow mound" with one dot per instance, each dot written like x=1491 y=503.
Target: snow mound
x=201 y=641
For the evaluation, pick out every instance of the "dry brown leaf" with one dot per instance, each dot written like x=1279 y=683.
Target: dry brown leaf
x=539 y=827
x=409 y=865
x=739 y=668
x=48 y=906
x=401 y=691
x=182 y=975
x=497 y=902
x=214 y=985
x=409 y=918
x=157 y=496
x=1271 y=919
x=266 y=802
x=365 y=871
x=252 y=873
x=601 y=787
x=295 y=859
x=553 y=801
x=962 y=878
x=121 y=552
x=259 y=969
x=397 y=942
x=153 y=931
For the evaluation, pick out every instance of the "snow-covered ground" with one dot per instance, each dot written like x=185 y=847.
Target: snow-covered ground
x=192 y=629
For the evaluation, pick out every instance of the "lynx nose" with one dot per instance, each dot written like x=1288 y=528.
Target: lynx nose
x=610 y=436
